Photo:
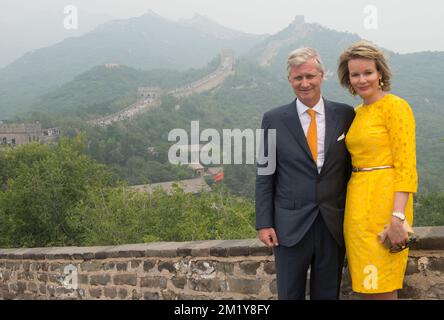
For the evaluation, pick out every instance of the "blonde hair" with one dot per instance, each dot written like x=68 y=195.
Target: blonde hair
x=364 y=50
x=301 y=56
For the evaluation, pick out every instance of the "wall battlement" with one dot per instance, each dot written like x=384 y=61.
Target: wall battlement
x=217 y=269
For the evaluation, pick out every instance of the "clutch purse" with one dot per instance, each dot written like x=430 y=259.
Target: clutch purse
x=385 y=240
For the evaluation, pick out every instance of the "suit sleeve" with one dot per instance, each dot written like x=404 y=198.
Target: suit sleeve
x=350 y=117
x=265 y=182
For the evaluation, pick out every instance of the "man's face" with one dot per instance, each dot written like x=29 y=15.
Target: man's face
x=306 y=80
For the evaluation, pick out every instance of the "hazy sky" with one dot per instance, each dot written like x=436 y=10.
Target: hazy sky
x=402 y=25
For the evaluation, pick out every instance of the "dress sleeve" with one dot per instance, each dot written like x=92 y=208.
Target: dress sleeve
x=401 y=127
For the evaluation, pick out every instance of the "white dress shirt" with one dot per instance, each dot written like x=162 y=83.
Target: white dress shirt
x=320 y=126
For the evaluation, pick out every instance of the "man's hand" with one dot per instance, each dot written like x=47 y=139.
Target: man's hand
x=268 y=237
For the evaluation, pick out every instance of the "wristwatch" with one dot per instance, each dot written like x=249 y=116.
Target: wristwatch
x=399 y=215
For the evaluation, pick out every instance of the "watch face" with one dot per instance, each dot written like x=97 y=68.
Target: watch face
x=399 y=215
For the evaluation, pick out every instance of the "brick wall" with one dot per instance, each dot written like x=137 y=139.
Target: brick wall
x=231 y=269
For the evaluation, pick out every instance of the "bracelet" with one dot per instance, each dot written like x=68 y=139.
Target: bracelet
x=399 y=215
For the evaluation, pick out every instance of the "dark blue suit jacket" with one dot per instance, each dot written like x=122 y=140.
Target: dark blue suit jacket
x=290 y=198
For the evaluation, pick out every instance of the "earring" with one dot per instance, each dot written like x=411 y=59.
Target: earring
x=381 y=84
x=352 y=91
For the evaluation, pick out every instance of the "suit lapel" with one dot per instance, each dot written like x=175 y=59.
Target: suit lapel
x=331 y=126
x=293 y=123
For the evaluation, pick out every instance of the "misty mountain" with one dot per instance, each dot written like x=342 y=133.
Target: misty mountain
x=213 y=29
x=149 y=41
x=19 y=35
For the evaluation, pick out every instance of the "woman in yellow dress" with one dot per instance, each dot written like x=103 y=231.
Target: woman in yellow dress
x=381 y=141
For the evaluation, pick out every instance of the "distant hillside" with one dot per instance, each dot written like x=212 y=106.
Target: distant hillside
x=103 y=90
x=149 y=41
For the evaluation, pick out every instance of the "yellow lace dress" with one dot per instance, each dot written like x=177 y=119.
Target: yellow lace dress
x=382 y=133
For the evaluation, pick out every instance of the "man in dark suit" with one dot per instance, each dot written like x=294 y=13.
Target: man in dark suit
x=300 y=204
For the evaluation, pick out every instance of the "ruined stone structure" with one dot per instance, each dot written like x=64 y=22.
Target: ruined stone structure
x=300 y=30
x=146 y=94
x=217 y=269
x=193 y=186
x=148 y=98
x=211 y=81
x=20 y=133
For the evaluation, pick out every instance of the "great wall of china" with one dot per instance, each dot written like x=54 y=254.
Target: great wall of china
x=149 y=97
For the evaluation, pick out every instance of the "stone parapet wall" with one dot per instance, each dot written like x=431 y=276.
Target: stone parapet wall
x=225 y=269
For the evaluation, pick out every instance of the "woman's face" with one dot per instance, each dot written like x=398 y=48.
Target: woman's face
x=364 y=77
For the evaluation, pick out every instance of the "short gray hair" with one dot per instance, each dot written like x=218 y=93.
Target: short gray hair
x=301 y=56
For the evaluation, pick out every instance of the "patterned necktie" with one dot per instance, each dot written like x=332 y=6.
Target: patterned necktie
x=312 y=135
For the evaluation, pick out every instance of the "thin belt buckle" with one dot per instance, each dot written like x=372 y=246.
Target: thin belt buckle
x=371 y=168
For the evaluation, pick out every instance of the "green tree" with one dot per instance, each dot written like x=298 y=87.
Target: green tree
x=429 y=209
x=42 y=188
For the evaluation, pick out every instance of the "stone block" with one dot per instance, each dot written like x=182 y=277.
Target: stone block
x=412 y=267
x=204 y=267
x=91 y=266
x=219 y=252
x=121 y=266
x=95 y=292
x=19 y=287
x=61 y=291
x=32 y=287
x=5 y=276
x=166 y=265
x=148 y=265
x=29 y=276
x=207 y=285
x=169 y=295
x=184 y=252
x=43 y=277
x=249 y=267
x=42 y=288
x=436 y=291
x=109 y=266
x=153 y=282
x=136 y=295
x=150 y=295
x=123 y=293
x=26 y=266
x=100 y=279
x=270 y=267
x=53 y=278
x=55 y=267
x=225 y=267
x=82 y=278
x=244 y=286
x=436 y=264
x=51 y=290
x=36 y=266
x=238 y=251
x=260 y=251
x=135 y=264
x=110 y=292
x=125 y=279
x=409 y=292
x=179 y=282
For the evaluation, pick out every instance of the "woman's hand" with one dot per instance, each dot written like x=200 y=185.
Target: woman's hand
x=396 y=232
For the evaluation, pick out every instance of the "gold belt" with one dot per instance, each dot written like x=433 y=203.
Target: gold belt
x=371 y=168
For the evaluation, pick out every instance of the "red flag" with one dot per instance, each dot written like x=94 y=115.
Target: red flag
x=219 y=176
